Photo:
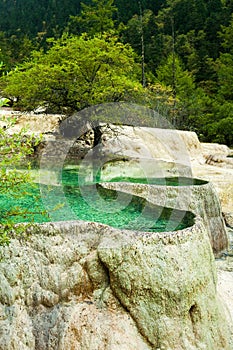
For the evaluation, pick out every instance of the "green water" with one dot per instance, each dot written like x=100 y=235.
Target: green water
x=168 y=181
x=72 y=177
x=91 y=203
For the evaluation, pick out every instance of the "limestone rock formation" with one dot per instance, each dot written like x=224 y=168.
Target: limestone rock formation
x=81 y=285
x=170 y=145
x=219 y=160
x=200 y=199
x=209 y=149
x=221 y=178
x=228 y=217
x=33 y=123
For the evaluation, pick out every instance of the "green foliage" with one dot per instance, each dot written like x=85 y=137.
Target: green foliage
x=14 y=50
x=173 y=74
x=30 y=17
x=75 y=73
x=227 y=36
x=199 y=32
x=96 y=18
x=147 y=25
x=225 y=64
x=222 y=131
x=15 y=146
x=225 y=76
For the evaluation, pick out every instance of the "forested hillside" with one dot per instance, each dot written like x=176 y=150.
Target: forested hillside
x=175 y=56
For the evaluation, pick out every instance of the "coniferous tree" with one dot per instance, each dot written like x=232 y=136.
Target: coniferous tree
x=95 y=18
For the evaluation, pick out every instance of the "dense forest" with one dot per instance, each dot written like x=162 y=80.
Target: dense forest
x=175 y=56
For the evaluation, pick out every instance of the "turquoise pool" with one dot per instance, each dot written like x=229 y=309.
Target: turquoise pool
x=92 y=202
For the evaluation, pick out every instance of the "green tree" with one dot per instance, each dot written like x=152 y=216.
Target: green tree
x=225 y=76
x=75 y=73
x=221 y=130
x=224 y=64
x=195 y=25
x=146 y=25
x=78 y=72
x=14 y=50
x=172 y=74
x=192 y=48
x=220 y=127
x=29 y=17
x=96 y=18
x=186 y=15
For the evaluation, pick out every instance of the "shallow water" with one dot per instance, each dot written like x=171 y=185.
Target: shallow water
x=92 y=202
x=71 y=176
